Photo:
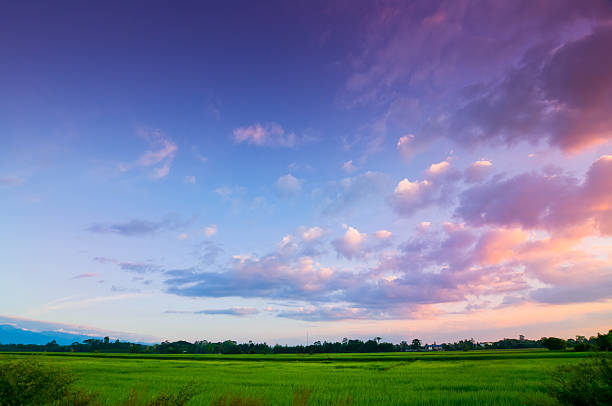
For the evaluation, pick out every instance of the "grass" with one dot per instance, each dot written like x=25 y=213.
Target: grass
x=447 y=378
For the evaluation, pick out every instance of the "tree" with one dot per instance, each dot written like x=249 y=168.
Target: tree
x=554 y=343
x=604 y=341
x=416 y=344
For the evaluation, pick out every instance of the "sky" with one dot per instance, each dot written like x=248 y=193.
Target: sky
x=267 y=170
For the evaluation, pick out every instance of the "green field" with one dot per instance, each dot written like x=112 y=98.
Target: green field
x=445 y=378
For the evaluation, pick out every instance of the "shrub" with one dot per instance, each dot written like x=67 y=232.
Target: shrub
x=28 y=382
x=585 y=384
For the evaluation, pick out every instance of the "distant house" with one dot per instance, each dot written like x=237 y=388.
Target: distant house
x=433 y=347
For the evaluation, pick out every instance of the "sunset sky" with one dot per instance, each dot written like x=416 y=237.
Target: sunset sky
x=260 y=170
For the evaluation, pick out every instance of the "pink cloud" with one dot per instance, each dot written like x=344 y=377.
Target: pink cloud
x=269 y=135
x=542 y=201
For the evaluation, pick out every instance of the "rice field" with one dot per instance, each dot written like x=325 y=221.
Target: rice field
x=445 y=378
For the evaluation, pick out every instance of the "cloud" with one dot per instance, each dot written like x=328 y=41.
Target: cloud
x=272 y=276
x=183 y=236
x=207 y=252
x=542 y=201
x=288 y=186
x=535 y=74
x=85 y=275
x=138 y=227
x=438 y=169
x=312 y=233
x=210 y=230
x=348 y=167
x=232 y=311
x=190 y=180
x=411 y=196
x=405 y=145
x=478 y=171
x=350 y=245
x=564 y=99
x=270 y=135
x=11 y=180
x=138 y=267
x=340 y=195
x=383 y=234
x=159 y=159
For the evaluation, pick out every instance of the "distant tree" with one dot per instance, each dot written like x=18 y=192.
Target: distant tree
x=604 y=341
x=554 y=343
x=416 y=344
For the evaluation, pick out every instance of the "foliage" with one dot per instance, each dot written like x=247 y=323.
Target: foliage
x=554 y=343
x=27 y=382
x=585 y=384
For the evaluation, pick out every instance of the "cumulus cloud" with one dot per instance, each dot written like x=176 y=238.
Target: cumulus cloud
x=351 y=244
x=512 y=238
x=542 y=201
x=288 y=186
x=478 y=171
x=138 y=227
x=159 y=159
x=438 y=188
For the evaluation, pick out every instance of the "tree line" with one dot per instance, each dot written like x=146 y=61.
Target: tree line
x=601 y=342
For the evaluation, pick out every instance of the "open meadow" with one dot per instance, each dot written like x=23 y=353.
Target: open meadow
x=444 y=378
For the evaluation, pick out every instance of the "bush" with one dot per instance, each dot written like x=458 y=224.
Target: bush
x=586 y=384
x=30 y=383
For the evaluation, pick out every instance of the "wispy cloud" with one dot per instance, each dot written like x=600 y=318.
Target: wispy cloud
x=232 y=311
x=270 y=135
x=85 y=275
x=159 y=159
x=138 y=267
x=11 y=180
x=138 y=227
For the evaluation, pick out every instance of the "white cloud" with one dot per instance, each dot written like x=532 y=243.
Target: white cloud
x=190 y=179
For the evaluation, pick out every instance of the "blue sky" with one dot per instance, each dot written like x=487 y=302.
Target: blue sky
x=256 y=171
